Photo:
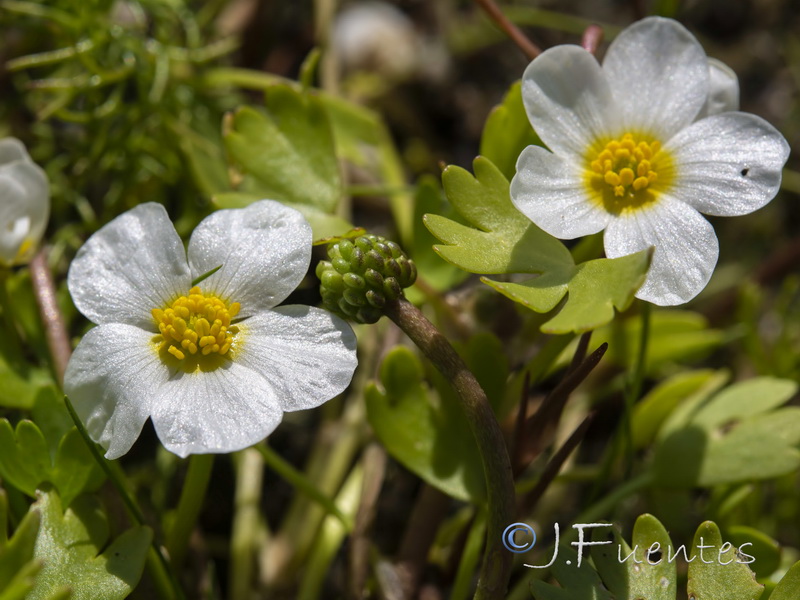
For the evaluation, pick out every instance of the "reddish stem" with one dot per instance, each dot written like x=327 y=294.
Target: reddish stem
x=55 y=330
x=530 y=49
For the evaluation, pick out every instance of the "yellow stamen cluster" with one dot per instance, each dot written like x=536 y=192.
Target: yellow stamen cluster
x=624 y=164
x=196 y=323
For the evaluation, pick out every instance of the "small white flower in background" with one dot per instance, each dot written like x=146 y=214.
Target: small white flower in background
x=24 y=203
x=216 y=365
x=640 y=147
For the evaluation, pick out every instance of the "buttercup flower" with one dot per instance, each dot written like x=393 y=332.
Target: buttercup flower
x=213 y=365
x=640 y=147
x=24 y=203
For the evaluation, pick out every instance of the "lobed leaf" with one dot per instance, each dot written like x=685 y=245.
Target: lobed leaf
x=499 y=239
x=287 y=151
x=69 y=545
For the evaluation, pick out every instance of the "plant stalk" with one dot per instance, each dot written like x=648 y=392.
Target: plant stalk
x=496 y=567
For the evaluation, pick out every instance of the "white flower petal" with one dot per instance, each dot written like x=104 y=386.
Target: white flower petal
x=11 y=149
x=24 y=210
x=728 y=164
x=307 y=354
x=219 y=411
x=686 y=249
x=111 y=378
x=658 y=75
x=568 y=99
x=264 y=251
x=723 y=94
x=549 y=191
x=132 y=265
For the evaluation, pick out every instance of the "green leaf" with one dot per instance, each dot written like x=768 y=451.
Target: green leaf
x=508 y=132
x=718 y=571
x=502 y=240
x=323 y=225
x=593 y=288
x=675 y=336
x=737 y=435
x=788 y=586
x=439 y=274
x=25 y=461
x=424 y=431
x=287 y=151
x=651 y=412
x=643 y=571
x=17 y=564
x=765 y=550
x=647 y=570
x=69 y=545
x=578 y=583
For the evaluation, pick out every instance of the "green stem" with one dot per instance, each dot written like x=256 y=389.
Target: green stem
x=469 y=558
x=189 y=506
x=163 y=575
x=496 y=568
x=330 y=537
x=302 y=483
x=636 y=381
x=246 y=523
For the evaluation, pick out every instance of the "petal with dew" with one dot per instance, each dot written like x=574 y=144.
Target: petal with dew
x=132 y=265
x=214 y=412
x=308 y=355
x=549 y=191
x=568 y=100
x=728 y=164
x=264 y=250
x=686 y=249
x=111 y=378
x=659 y=76
x=723 y=94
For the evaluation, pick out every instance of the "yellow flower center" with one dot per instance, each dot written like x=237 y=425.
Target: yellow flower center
x=626 y=173
x=196 y=330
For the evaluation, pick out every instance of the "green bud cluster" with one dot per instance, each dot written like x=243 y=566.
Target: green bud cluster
x=363 y=275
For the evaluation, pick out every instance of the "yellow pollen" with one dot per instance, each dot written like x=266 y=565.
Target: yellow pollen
x=195 y=326
x=620 y=172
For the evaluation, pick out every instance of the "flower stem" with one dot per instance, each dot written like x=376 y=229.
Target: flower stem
x=163 y=576
x=530 y=49
x=55 y=331
x=496 y=567
x=192 y=496
x=246 y=523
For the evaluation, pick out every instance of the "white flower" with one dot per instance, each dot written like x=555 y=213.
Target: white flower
x=24 y=203
x=216 y=365
x=640 y=147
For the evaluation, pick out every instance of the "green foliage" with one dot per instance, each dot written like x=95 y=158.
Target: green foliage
x=426 y=432
x=26 y=462
x=648 y=568
x=502 y=240
x=439 y=274
x=507 y=132
x=719 y=573
x=593 y=290
x=676 y=336
x=70 y=543
x=287 y=152
x=18 y=567
x=739 y=434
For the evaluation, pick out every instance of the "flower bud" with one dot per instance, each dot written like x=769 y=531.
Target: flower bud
x=363 y=275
